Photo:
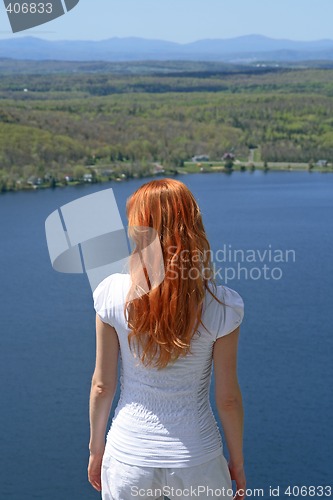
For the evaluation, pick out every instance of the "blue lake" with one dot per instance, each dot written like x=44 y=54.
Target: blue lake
x=285 y=355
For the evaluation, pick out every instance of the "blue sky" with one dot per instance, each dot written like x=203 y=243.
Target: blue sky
x=186 y=20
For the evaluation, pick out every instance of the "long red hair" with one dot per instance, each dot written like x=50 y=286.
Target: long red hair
x=163 y=320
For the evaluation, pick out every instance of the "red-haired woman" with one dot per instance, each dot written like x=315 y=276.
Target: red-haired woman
x=164 y=439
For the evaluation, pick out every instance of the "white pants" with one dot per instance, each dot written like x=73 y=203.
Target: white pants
x=129 y=482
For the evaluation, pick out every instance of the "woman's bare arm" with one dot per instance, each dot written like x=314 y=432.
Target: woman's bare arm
x=229 y=403
x=103 y=385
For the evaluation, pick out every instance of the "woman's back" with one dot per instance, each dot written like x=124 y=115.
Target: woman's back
x=164 y=417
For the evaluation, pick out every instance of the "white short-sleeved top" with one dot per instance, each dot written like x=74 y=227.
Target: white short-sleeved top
x=163 y=417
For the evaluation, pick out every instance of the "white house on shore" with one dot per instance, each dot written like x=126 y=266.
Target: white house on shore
x=322 y=163
x=199 y=158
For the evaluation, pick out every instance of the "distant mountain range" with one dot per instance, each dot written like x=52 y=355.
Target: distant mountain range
x=248 y=48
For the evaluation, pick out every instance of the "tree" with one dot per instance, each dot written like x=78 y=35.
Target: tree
x=79 y=172
x=228 y=159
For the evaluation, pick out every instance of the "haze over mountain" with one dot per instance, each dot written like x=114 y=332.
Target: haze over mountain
x=241 y=49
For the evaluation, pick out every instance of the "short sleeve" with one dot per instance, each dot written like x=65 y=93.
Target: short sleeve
x=103 y=300
x=232 y=312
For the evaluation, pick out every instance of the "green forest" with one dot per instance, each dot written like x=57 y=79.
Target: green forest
x=75 y=122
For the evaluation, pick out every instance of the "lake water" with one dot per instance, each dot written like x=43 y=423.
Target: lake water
x=285 y=355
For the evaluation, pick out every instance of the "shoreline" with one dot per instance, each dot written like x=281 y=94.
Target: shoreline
x=189 y=168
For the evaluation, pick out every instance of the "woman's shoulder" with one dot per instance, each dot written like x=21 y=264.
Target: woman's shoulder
x=110 y=293
x=113 y=280
x=224 y=309
x=224 y=294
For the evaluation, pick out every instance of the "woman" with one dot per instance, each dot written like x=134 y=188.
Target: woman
x=164 y=439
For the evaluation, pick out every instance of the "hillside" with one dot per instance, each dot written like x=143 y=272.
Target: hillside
x=66 y=125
